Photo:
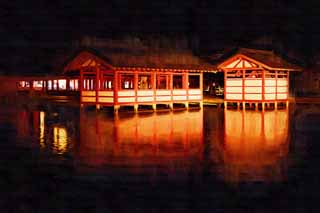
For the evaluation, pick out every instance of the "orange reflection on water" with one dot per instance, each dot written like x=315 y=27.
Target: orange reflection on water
x=41 y=127
x=60 y=140
x=141 y=140
x=255 y=145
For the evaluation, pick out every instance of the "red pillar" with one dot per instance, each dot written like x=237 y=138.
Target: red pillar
x=115 y=87
x=81 y=85
x=154 y=85
x=135 y=85
x=263 y=85
x=97 y=84
x=243 y=84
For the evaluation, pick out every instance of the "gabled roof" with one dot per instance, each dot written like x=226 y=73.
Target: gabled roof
x=155 y=58
x=251 y=58
x=86 y=58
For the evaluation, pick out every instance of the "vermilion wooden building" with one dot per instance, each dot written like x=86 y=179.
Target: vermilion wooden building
x=256 y=76
x=114 y=78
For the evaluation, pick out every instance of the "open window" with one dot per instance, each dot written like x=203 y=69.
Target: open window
x=73 y=84
x=144 y=82
x=107 y=82
x=127 y=81
x=194 y=81
x=177 y=81
x=23 y=84
x=62 y=84
x=89 y=84
x=162 y=81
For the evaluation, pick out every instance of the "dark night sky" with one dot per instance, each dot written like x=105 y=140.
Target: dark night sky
x=35 y=24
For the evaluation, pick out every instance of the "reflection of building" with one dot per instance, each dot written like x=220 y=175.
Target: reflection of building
x=139 y=142
x=47 y=129
x=256 y=145
x=60 y=140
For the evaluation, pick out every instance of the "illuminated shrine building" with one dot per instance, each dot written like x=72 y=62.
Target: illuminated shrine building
x=133 y=77
x=103 y=78
x=256 y=76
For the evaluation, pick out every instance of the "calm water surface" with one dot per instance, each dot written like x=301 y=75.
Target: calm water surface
x=59 y=159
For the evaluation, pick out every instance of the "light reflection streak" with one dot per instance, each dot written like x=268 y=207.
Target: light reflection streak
x=42 y=126
x=60 y=139
x=255 y=145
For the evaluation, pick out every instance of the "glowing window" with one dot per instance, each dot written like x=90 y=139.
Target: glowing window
x=55 y=85
x=37 y=84
x=74 y=84
x=49 y=85
x=107 y=82
x=62 y=84
x=144 y=82
x=89 y=84
x=127 y=81
x=23 y=84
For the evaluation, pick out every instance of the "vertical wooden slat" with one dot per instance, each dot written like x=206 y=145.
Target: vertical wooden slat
x=115 y=87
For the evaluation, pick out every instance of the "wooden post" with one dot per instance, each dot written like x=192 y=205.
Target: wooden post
x=97 y=86
x=68 y=84
x=116 y=109
x=263 y=87
x=80 y=86
x=135 y=107
x=170 y=87
x=135 y=85
x=288 y=87
x=225 y=85
x=276 y=73
x=243 y=85
x=154 y=87
x=186 y=86
x=171 y=105
x=201 y=85
x=115 y=88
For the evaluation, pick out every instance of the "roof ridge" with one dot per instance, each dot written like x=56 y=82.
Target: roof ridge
x=256 y=50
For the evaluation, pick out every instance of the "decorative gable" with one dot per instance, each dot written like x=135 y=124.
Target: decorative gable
x=86 y=59
x=238 y=63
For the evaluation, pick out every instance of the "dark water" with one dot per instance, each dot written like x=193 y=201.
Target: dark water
x=58 y=159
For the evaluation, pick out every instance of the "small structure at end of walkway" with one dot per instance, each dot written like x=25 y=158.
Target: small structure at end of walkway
x=257 y=78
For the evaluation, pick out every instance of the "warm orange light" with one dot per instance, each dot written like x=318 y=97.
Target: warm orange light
x=141 y=140
x=41 y=126
x=255 y=144
x=60 y=140
x=37 y=84
x=234 y=82
x=251 y=82
x=62 y=84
